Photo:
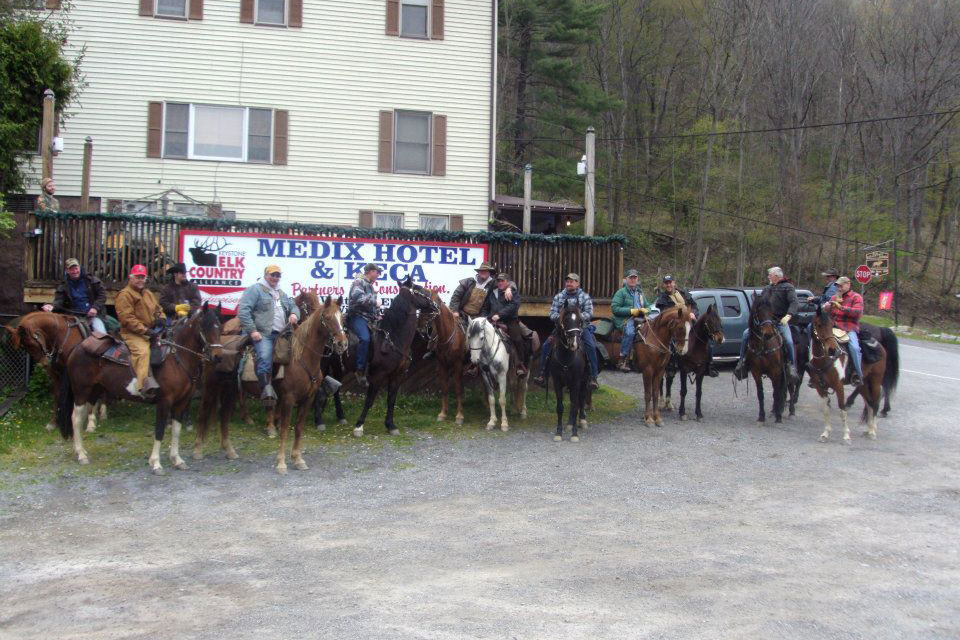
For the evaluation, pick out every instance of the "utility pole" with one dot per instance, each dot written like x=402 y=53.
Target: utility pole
x=527 y=188
x=46 y=133
x=588 y=197
x=896 y=287
x=85 y=180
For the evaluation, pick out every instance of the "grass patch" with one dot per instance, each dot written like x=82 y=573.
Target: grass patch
x=877 y=321
x=915 y=333
x=123 y=442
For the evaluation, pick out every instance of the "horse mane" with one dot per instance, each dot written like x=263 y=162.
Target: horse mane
x=302 y=333
x=761 y=303
x=394 y=317
x=474 y=329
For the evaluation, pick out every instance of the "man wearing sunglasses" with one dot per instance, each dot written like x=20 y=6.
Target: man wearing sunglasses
x=264 y=311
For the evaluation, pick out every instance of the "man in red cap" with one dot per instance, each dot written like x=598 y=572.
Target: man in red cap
x=138 y=313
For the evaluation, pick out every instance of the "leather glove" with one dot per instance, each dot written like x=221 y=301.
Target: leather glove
x=785 y=319
x=635 y=312
x=183 y=310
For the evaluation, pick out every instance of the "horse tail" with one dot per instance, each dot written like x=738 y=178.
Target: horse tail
x=891 y=374
x=65 y=408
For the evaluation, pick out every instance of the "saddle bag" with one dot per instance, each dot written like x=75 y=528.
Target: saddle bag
x=282 y=348
x=603 y=327
x=230 y=356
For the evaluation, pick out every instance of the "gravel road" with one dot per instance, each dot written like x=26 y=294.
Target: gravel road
x=718 y=529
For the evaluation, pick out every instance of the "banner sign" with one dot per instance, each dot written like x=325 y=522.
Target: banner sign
x=223 y=264
x=885 y=301
x=879 y=262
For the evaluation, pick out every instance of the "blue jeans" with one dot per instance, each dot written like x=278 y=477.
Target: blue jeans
x=854 y=347
x=629 y=331
x=589 y=343
x=96 y=324
x=264 y=351
x=787 y=337
x=358 y=324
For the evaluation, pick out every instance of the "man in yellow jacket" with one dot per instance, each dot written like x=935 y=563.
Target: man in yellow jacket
x=138 y=312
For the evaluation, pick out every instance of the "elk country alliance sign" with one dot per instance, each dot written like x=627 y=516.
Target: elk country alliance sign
x=222 y=264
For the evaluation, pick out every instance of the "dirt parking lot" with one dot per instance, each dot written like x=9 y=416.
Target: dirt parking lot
x=718 y=529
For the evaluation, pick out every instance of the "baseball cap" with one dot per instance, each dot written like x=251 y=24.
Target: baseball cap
x=272 y=268
x=138 y=270
x=573 y=276
x=632 y=273
x=72 y=262
x=668 y=278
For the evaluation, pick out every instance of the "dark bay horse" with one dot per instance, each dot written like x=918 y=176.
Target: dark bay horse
x=697 y=359
x=49 y=338
x=827 y=369
x=448 y=341
x=569 y=369
x=891 y=373
x=192 y=341
x=651 y=354
x=765 y=356
x=390 y=349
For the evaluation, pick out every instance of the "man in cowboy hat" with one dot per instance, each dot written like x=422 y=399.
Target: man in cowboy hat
x=179 y=296
x=846 y=307
x=81 y=294
x=672 y=296
x=264 y=311
x=572 y=294
x=46 y=201
x=363 y=309
x=470 y=294
x=628 y=303
x=139 y=314
x=829 y=286
x=502 y=306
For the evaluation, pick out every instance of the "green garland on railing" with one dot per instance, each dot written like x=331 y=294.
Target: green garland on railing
x=280 y=226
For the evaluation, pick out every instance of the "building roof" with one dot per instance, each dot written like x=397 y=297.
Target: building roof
x=513 y=203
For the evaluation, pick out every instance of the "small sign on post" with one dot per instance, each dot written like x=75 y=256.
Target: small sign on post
x=879 y=262
x=885 y=301
x=863 y=274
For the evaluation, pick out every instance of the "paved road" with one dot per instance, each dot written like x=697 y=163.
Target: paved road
x=719 y=529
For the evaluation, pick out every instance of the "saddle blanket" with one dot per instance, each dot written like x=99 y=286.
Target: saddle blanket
x=102 y=345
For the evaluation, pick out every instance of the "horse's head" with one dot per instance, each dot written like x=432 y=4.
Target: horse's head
x=477 y=337
x=823 y=331
x=332 y=319
x=762 y=322
x=37 y=334
x=713 y=325
x=570 y=324
x=209 y=325
x=421 y=298
x=678 y=317
x=308 y=301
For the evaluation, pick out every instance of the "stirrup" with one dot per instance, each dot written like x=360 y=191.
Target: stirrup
x=540 y=380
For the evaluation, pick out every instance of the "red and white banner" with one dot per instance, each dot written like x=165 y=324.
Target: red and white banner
x=224 y=264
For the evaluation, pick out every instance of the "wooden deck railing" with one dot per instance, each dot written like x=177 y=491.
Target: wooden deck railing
x=109 y=245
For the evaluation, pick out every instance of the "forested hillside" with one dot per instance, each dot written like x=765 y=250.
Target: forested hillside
x=707 y=153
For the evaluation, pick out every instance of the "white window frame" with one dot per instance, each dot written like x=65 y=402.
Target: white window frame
x=427 y=29
x=396 y=129
x=445 y=217
x=387 y=213
x=157 y=14
x=286 y=15
x=190 y=134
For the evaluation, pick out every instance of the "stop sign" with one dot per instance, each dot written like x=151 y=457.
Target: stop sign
x=863 y=274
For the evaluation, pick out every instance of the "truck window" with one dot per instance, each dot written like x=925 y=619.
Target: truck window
x=731 y=306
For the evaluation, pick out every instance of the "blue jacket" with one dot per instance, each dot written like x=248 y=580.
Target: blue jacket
x=828 y=292
x=584 y=301
x=255 y=310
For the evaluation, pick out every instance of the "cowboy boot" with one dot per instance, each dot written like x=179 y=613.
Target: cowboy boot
x=267 y=395
x=740 y=371
x=150 y=388
x=624 y=366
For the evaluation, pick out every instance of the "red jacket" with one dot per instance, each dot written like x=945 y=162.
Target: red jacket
x=847 y=316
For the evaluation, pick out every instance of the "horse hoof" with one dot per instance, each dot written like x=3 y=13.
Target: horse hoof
x=574 y=438
x=699 y=418
x=198 y=455
x=683 y=417
x=358 y=432
x=523 y=414
x=188 y=427
x=394 y=431
x=91 y=429
x=231 y=455
x=557 y=438
x=321 y=427
x=271 y=433
x=459 y=420
x=182 y=466
x=441 y=418
x=846 y=440
x=583 y=424
x=871 y=436
x=158 y=471
x=83 y=460
x=248 y=422
x=282 y=470
x=489 y=427
x=504 y=427
x=823 y=438
x=301 y=465
x=648 y=423
x=50 y=426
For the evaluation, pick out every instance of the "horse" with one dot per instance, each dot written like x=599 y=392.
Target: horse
x=891 y=373
x=765 y=356
x=826 y=369
x=49 y=338
x=697 y=359
x=194 y=339
x=651 y=354
x=390 y=357
x=801 y=343
x=321 y=331
x=496 y=360
x=448 y=341
x=569 y=368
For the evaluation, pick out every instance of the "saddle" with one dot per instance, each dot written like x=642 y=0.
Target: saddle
x=233 y=347
x=106 y=346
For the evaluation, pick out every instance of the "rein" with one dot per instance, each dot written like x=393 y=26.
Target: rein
x=759 y=336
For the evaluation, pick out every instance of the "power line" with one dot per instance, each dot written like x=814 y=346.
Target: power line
x=729 y=214
x=675 y=136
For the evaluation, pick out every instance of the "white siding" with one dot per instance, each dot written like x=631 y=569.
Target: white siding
x=333 y=75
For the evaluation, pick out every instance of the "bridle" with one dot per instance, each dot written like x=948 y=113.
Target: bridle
x=757 y=324
x=50 y=355
x=483 y=340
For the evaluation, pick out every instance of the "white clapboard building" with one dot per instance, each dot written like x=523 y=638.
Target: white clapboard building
x=358 y=112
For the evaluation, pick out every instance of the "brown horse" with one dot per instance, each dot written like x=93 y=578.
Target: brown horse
x=826 y=368
x=449 y=342
x=697 y=359
x=49 y=338
x=765 y=356
x=193 y=340
x=651 y=353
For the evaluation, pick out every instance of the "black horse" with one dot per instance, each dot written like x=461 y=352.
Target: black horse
x=697 y=359
x=391 y=352
x=891 y=375
x=569 y=368
x=765 y=356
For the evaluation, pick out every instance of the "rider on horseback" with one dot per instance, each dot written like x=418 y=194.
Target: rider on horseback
x=628 y=303
x=179 y=296
x=264 y=312
x=671 y=296
x=80 y=293
x=572 y=294
x=846 y=307
x=471 y=293
x=783 y=300
x=364 y=308
x=502 y=306
x=139 y=316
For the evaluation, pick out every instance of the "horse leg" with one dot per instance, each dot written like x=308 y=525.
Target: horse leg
x=393 y=387
x=244 y=414
x=759 y=380
x=682 y=411
x=338 y=405
x=502 y=383
x=657 y=418
x=444 y=400
x=826 y=418
x=101 y=407
x=163 y=414
x=522 y=391
x=648 y=398
x=319 y=405
x=207 y=405
x=175 y=460
x=272 y=422
x=228 y=403
x=491 y=401
x=367 y=403
x=779 y=398
x=559 y=388
x=78 y=419
x=698 y=412
x=284 y=417
x=853 y=396
x=665 y=401
x=838 y=389
x=871 y=396
x=297 y=454
x=55 y=379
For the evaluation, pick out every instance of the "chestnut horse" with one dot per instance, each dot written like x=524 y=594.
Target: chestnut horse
x=765 y=356
x=651 y=354
x=697 y=359
x=49 y=338
x=193 y=340
x=449 y=342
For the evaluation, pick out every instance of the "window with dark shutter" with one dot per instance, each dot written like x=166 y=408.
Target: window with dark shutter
x=146 y=8
x=246 y=11
x=456 y=223
x=393 y=17
x=154 y=129
x=196 y=9
x=366 y=219
x=436 y=20
x=439 y=145
x=281 y=125
x=385 y=154
x=52 y=4
x=295 y=15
